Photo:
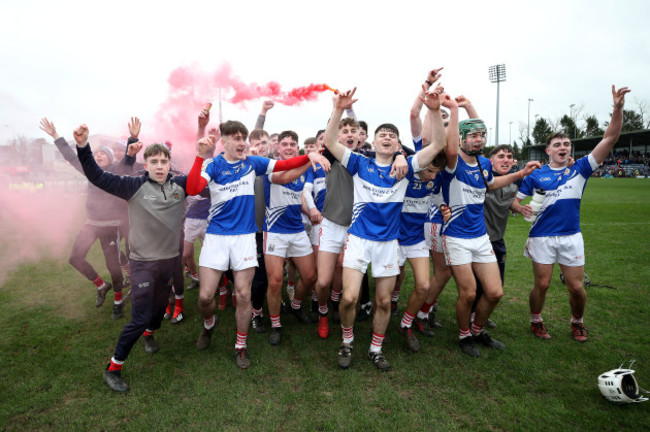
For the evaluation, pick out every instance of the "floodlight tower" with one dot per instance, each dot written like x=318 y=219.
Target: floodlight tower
x=497 y=75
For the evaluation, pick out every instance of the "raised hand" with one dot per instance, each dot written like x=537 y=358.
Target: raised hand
x=81 y=135
x=431 y=97
x=205 y=146
x=400 y=167
x=204 y=117
x=134 y=148
x=267 y=105
x=433 y=76
x=462 y=101
x=619 y=96
x=344 y=100
x=448 y=102
x=48 y=127
x=134 y=127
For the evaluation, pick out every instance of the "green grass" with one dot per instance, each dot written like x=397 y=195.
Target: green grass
x=55 y=345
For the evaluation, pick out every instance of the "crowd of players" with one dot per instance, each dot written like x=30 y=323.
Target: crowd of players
x=342 y=208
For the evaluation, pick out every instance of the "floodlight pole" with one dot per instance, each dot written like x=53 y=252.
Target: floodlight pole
x=528 y=133
x=497 y=75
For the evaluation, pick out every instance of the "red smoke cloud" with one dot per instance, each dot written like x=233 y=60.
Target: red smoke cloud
x=191 y=88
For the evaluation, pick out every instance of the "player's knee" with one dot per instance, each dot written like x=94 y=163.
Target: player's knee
x=382 y=303
x=422 y=288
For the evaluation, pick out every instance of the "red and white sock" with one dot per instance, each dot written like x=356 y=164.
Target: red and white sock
x=348 y=335
x=296 y=303
x=148 y=332
x=223 y=290
x=377 y=341
x=407 y=320
x=275 y=321
x=210 y=322
x=322 y=309
x=314 y=297
x=575 y=320
x=395 y=296
x=118 y=297
x=476 y=329
x=335 y=295
x=536 y=317
x=257 y=312
x=424 y=311
x=99 y=282
x=241 y=340
x=115 y=365
x=463 y=333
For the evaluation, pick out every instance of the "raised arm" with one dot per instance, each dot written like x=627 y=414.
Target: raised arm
x=121 y=186
x=61 y=144
x=341 y=101
x=466 y=104
x=204 y=149
x=416 y=109
x=204 y=119
x=261 y=118
x=614 y=129
x=437 y=135
x=453 y=136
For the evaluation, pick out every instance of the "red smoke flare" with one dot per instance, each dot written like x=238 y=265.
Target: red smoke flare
x=191 y=88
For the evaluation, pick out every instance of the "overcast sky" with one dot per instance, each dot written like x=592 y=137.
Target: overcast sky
x=100 y=63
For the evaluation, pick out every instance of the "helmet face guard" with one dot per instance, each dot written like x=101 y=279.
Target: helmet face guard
x=466 y=127
x=620 y=386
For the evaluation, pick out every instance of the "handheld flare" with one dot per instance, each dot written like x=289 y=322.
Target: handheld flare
x=332 y=89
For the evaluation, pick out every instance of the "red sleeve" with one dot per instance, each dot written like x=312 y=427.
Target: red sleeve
x=196 y=183
x=295 y=162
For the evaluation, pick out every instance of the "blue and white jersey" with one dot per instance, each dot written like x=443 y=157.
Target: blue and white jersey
x=232 y=193
x=560 y=211
x=464 y=192
x=417 y=143
x=434 y=215
x=378 y=197
x=319 y=187
x=283 y=204
x=414 y=211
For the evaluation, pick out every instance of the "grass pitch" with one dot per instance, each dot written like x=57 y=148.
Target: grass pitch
x=55 y=344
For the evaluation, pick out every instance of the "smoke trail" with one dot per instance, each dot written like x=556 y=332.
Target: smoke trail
x=190 y=88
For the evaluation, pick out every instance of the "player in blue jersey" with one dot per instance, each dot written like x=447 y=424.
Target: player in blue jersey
x=285 y=237
x=230 y=236
x=555 y=235
x=466 y=244
x=372 y=237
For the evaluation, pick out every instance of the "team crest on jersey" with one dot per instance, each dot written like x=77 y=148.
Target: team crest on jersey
x=567 y=171
x=430 y=185
x=485 y=173
x=176 y=196
x=302 y=178
x=391 y=175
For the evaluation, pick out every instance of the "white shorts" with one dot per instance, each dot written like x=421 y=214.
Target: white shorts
x=306 y=223
x=315 y=235
x=433 y=237
x=418 y=250
x=459 y=251
x=195 y=228
x=287 y=245
x=221 y=252
x=332 y=236
x=568 y=250
x=359 y=253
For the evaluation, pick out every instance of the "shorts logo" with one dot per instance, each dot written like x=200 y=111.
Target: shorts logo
x=249 y=258
x=389 y=266
x=271 y=248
